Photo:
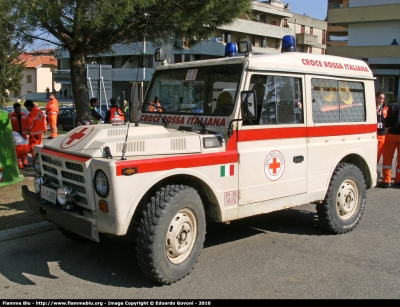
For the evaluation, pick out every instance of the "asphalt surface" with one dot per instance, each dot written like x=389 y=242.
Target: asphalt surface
x=279 y=255
x=23 y=231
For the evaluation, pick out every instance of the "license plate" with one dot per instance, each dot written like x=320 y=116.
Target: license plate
x=48 y=194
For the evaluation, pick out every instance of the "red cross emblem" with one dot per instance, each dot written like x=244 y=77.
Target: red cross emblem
x=76 y=137
x=274 y=165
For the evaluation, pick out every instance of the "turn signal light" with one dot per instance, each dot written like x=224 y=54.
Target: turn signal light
x=103 y=206
x=129 y=171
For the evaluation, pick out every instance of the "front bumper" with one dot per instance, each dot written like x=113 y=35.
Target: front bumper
x=71 y=221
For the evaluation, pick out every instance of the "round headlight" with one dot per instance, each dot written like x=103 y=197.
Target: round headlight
x=37 y=182
x=101 y=183
x=36 y=164
x=63 y=195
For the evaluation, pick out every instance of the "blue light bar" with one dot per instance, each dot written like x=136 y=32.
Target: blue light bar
x=288 y=44
x=230 y=50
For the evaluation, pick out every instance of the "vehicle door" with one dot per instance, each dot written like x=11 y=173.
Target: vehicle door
x=272 y=148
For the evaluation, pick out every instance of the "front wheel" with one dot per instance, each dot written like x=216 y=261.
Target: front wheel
x=171 y=234
x=344 y=203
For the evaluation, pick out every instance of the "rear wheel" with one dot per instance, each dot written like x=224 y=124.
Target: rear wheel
x=345 y=200
x=171 y=234
x=60 y=127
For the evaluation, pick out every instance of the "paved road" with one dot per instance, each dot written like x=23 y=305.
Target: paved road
x=281 y=255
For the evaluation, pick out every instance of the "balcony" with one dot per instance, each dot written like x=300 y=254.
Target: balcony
x=257 y=28
x=358 y=52
x=338 y=38
x=337 y=29
x=336 y=44
x=306 y=39
x=363 y=14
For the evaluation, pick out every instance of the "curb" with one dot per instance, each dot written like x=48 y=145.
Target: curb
x=27 y=230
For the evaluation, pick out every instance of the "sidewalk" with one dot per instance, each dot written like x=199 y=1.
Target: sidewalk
x=24 y=231
x=30 y=229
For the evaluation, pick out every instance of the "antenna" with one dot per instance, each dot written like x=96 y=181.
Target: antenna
x=134 y=112
x=123 y=157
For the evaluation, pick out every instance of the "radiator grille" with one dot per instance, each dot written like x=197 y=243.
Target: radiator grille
x=50 y=169
x=75 y=187
x=47 y=159
x=53 y=180
x=67 y=173
x=81 y=200
x=72 y=177
x=74 y=166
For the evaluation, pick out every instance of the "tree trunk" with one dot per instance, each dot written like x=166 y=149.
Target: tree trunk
x=79 y=85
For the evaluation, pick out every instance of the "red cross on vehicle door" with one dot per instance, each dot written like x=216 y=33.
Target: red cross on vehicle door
x=273 y=150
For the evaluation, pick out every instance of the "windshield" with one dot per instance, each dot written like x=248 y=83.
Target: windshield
x=204 y=90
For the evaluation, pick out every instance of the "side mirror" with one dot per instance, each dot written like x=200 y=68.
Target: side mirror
x=159 y=55
x=244 y=45
x=249 y=104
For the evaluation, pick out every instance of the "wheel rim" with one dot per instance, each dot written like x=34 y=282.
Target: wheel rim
x=181 y=236
x=347 y=199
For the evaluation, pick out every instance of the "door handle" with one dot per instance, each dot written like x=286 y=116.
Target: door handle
x=298 y=159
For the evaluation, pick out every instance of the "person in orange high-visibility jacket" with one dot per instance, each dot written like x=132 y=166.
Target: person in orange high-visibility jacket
x=19 y=122
x=114 y=114
x=392 y=143
x=153 y=105
x=35 y=127
x=381 y=113
x=52 y=113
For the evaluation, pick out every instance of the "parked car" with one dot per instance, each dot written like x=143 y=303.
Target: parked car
x=65 y=119
x=10 y=109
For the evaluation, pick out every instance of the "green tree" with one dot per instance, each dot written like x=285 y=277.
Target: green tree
x=11 y=69
x=90 y=27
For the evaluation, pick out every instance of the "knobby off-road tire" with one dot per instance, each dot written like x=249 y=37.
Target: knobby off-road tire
x=344 y=203
x=171 y=234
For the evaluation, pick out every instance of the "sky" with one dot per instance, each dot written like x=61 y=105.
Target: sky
x=312 y=8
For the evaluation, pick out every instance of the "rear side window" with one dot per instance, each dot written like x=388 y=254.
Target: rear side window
x=336 y=101
x=278 y=99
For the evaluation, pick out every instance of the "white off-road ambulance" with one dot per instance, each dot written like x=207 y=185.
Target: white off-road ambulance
x=233 y=137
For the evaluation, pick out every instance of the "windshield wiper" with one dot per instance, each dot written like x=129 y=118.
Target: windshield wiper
x=204 y=130
x=162 y=118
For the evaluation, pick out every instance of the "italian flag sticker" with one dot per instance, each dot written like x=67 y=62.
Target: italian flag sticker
x=227 y=170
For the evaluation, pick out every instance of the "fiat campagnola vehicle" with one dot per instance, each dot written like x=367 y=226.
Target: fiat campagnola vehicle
x=269 y=132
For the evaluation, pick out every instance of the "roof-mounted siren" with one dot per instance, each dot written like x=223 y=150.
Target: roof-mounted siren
x=288 y=44
x=230 y=50
x=244 y=45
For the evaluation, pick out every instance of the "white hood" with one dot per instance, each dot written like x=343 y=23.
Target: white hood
x=142 y=140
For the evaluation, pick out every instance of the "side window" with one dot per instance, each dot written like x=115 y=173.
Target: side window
x=336 y=101
x=279 y=99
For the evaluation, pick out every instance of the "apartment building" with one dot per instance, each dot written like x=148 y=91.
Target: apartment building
x=265 y=26
x=371 y=26
x=38 y=73
x=337 y=35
